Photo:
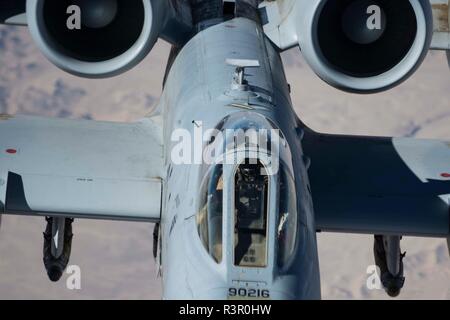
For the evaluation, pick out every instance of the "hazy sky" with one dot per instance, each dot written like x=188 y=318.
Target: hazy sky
x=116 y=257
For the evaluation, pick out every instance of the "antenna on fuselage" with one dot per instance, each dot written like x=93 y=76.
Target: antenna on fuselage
x=239 y=82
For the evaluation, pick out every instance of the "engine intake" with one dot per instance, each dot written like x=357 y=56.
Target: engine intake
x=364 y=45
x=111 y=37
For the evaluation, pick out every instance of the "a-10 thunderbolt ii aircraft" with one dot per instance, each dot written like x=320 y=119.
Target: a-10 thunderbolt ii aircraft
x=235 y=217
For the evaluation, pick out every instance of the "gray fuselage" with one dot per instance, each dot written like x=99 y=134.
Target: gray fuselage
x=198 y=92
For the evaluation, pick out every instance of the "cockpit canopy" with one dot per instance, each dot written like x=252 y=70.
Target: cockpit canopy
x=251 y=188
x=250 y=185
x=210 y=214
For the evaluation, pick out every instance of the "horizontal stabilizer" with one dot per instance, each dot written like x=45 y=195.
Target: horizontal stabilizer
x=13 y=12
x=441 y=25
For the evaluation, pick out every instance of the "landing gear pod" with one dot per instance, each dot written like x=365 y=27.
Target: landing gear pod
x=57 y=246
x=389 y=258
x=95 y=39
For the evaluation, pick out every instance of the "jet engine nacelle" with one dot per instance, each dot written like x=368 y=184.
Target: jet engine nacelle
x=99 y=38
x=354 y=45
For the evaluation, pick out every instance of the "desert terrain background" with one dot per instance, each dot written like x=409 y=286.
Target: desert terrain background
x=116 y=257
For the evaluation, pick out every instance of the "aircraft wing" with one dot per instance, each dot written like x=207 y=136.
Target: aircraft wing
x=80 y=168
x=379 y=185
